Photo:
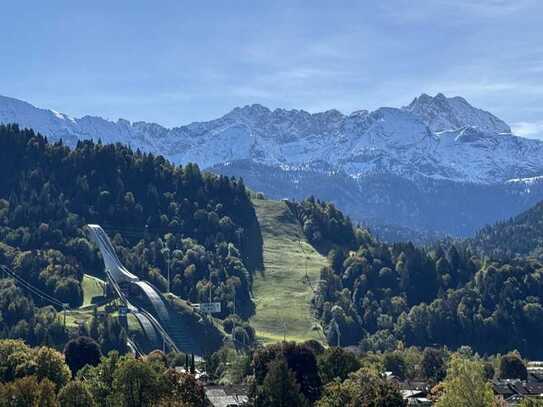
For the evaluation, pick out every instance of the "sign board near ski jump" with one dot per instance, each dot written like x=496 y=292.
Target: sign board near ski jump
x=209 y=307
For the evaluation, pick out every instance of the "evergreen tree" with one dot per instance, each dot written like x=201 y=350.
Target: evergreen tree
x=512 y=367
x=395 y=363
x=280 y=388
x=433 y=365
x=336 y=363
x=81 y=351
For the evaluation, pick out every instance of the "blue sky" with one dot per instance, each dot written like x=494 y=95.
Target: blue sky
x=174 y=62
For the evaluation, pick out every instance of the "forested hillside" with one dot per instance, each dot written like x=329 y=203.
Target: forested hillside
x=373 y=294
x=203 y=225
x=378 y=295
x=325 y=226
x=520 y=236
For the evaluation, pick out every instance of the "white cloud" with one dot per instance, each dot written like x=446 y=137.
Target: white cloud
x=528 y=129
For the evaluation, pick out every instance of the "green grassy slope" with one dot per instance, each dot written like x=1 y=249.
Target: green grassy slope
x=281 y=291
x=92 y=287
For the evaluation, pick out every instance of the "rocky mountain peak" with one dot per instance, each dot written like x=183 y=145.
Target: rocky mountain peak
x=441 y=113
x=434 y=136
x=249 y=111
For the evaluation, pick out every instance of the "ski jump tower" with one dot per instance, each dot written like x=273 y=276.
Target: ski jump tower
x=153 y=320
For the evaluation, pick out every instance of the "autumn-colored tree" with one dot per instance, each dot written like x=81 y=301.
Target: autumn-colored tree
x=184 y=388
x=50 y=364
x=75 y=394
x=28 y=392
x=465 y=385
x=364 y=388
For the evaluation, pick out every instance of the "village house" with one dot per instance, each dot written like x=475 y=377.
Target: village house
x=514 y=391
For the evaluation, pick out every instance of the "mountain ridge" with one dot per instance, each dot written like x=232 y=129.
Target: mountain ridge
x=430 y=137
x=430 y=143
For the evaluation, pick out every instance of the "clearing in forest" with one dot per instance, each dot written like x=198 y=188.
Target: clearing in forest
x=283 y=290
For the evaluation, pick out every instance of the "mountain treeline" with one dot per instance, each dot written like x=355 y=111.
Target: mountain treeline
x=519 y=236
x=381 y=296
x=325 y=226
x=201 y=226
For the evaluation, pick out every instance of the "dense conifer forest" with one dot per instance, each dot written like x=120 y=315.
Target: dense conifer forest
x=202 y=225
x=519 y=236
x=325 y=226
x=379 y=296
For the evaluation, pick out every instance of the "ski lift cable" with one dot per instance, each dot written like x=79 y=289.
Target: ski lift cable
x=38 y=293
x=30 y=287
x=34 y=290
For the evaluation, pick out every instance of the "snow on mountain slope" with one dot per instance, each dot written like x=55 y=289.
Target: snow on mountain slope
x=60 y=126
x=434 y=137
x=440 y=113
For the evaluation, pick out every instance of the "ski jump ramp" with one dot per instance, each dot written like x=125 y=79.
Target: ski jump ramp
x=112 y=263
x=118 y=274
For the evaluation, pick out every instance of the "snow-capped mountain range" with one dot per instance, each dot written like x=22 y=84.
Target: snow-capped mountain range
x=432 y=139
x=436 y=137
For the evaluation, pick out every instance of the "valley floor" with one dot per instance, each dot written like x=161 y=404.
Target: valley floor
x=283 y=291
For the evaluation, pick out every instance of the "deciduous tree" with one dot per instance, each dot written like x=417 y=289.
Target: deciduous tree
x=75 y=394
x=465 y=385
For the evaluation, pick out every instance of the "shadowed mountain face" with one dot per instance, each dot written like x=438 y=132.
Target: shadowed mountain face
x=436 y=165
x=397 y=208
x=519 y=236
